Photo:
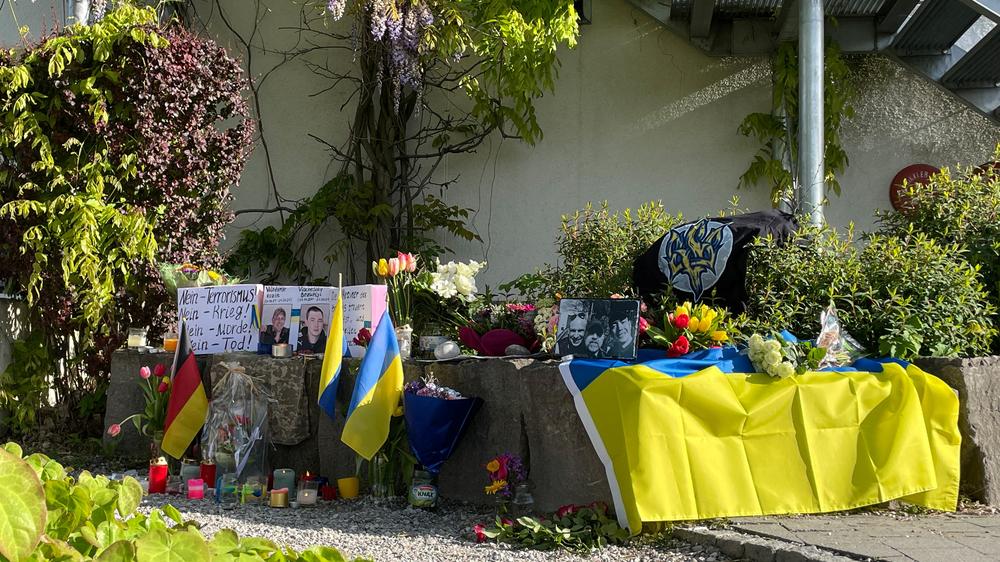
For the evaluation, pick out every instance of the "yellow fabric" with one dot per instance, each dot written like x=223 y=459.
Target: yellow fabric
x=715 y=445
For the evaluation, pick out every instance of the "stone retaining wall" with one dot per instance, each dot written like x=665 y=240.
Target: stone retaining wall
x=527 y=410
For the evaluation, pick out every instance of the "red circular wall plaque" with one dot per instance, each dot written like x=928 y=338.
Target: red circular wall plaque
x=914 y=173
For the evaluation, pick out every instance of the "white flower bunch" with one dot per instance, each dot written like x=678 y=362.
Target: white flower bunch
x=545 y=321
x=768 y=356
x=456 y=279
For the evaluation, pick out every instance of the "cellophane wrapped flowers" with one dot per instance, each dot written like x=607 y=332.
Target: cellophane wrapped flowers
x=429 y=386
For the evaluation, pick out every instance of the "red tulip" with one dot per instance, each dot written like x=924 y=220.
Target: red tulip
x=114 y=430
x=478 y=528
x=682 y=321
x=643 y=325
x=159 y=370
x=682 y=344
x=163 y=387
x=506 y=520
x=566 y=510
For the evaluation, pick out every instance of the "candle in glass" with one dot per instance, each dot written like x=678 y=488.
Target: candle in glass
x=136 y=337
x=284 y=478
x=158 y=476
x=207 y=472
x=306 y=497
x=196 y=489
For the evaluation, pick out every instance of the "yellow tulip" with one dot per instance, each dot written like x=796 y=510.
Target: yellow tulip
x=720 y=336
x=683 y=309
x=383 y=268
x=694 y=325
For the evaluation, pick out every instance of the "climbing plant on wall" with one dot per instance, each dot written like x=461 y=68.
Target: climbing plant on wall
x=429 y=80
x=775 y=164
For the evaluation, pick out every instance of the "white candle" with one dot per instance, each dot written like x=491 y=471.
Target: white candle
x=306 y=497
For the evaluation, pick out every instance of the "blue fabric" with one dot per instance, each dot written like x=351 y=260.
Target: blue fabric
x=434 y=426
x=727 y=359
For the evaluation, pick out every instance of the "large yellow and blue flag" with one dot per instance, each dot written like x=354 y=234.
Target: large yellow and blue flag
x=333 y=358
x=376 y=392
x=684 y=439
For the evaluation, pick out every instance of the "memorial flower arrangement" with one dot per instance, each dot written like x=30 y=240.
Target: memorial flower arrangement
x=691 y=328
x=399 y=274
x=495 y=327
x=505 y=471
x=781 y=358
x=428 y=386
x=574 y=527
x=180 y=276
x=155 y=386
x=455 y=280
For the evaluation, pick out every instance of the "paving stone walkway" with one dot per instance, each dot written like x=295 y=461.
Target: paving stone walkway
x=921 y=538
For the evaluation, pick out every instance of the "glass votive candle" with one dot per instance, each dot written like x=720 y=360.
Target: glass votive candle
x=307 y=497
x=196 y=489
x=170 y=342
x=328 y=493
x=284 y=478
x=228 y=490
x=207 y=472
x=190 y=470
x=136 y=337
x=174 y=485
x=158 y=476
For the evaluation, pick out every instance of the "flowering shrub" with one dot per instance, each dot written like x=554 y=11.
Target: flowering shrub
x=573 y=527
x=689 y=328
x=115 y=150
x=506 y=471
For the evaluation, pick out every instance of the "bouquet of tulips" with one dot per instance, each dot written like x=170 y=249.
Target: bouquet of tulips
x=691 y=328
x=399 y=274
x=156 y=394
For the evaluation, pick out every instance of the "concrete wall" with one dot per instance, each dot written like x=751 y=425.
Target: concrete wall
x=637 y=114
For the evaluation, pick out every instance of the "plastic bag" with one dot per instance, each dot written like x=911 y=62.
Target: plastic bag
x=841 y=348
x=236 y=432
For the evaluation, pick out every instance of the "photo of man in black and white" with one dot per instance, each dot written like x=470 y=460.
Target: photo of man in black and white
x=597 y=328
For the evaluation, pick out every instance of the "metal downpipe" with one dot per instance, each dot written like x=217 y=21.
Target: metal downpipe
x=811 y=166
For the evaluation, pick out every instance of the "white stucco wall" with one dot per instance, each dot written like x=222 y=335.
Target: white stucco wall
x=40 y=16
x=637 y=114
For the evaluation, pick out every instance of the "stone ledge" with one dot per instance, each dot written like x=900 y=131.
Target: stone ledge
x=755 y=548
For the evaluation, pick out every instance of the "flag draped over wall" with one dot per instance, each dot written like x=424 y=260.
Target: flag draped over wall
x=376 y=392
x=188 y=404
x=712 y=444
x=333 y=358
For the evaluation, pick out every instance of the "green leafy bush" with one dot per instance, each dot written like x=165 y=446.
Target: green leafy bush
x=48 y=515
x=904 y=295
x=596 y=249
x=961 y=208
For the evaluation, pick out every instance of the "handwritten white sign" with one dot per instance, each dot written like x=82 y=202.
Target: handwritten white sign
x=221 y=319
x=363 y=308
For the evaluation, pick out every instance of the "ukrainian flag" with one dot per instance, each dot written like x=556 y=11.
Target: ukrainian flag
x=333 y=358
x=376 y=392
x=681 y=439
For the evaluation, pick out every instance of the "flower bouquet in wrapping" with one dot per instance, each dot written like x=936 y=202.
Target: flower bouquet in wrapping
x=782 y=356
x=436 y=418
x=186 y=275
x=236 y=434
x=445 y=292
x=692 y=328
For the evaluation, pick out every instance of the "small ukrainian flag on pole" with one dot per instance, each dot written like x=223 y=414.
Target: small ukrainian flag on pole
x=333 y=358
x=376 y=392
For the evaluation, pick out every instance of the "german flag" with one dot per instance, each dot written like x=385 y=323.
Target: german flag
x=188 y=404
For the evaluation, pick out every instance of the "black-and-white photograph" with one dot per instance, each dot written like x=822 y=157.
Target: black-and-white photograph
x=598 y=328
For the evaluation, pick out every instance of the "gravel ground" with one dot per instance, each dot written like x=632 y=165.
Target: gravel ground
x=390 y=530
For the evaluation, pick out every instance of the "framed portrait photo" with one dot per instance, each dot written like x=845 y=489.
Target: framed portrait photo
x=598 y=328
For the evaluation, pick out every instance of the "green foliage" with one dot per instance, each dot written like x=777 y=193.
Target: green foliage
x=48 y=515
x=22 y=511
x=777 y=131
x=961 y=208
x=906 y=294
x=577 y=528
x=596 y=249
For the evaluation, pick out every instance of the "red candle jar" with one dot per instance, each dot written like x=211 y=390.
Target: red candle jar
x=329 y=493
x=208 y=473
x=158 y=477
